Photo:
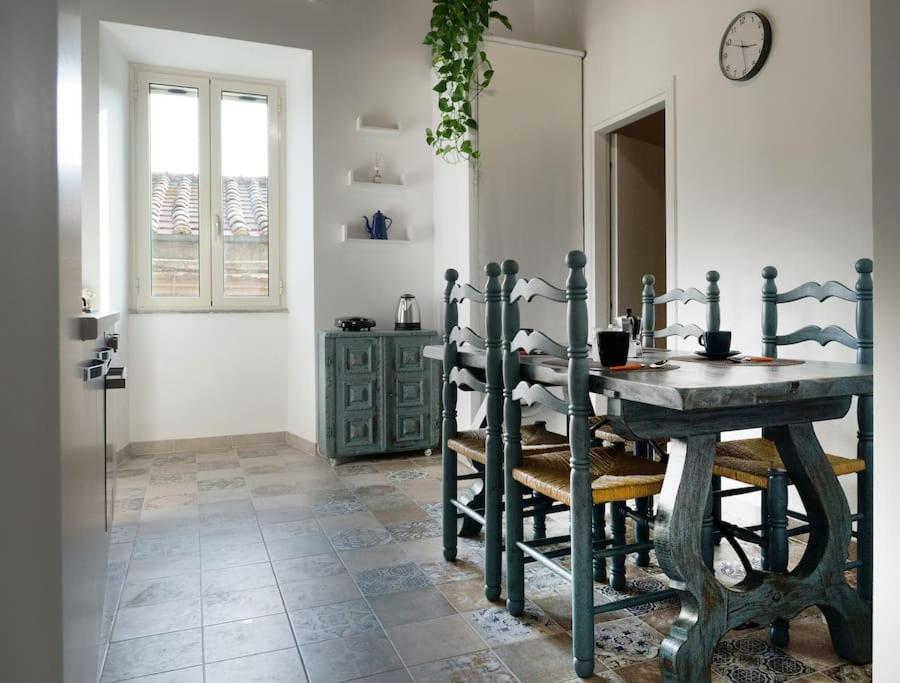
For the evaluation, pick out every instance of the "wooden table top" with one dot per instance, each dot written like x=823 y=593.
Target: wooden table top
x=698 y=386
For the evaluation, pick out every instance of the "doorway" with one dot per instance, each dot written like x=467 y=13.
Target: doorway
x=632 y=208
x=637 y=211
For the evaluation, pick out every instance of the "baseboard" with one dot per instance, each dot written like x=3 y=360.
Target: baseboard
x=300 y=443
x=203 y=443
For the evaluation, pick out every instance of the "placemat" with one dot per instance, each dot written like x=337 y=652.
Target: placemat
x=774 y=362
x=595 y=365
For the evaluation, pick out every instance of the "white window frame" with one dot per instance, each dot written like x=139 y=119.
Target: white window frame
x=212 y=296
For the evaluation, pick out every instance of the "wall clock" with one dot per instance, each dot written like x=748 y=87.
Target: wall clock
x=745 y=46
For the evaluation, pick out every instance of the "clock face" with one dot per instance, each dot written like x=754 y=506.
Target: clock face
x=745 y=46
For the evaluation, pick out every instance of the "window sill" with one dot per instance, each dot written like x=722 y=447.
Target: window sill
x=153 y=311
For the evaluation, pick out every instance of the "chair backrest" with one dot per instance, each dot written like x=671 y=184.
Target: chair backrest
x=516 y=391
x=455 y=376
x=649 y=301
x=862 y=342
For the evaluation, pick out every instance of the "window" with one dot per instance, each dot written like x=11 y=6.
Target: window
x=206 y=193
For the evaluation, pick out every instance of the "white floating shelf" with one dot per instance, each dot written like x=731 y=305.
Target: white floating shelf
x=347 y=238
x=369 y=185
x=392 y=130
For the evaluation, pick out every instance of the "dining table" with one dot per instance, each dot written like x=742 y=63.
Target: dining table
x=690 y=402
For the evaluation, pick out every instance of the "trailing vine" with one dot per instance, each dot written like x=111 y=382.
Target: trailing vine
x=463 y=72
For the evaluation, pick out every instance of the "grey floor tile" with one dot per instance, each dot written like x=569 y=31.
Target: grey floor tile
x=344 y=659
x=247 y=637
x=177 y=615
x=165 y=546
x=233 y=556
x=152 y=654
x=159 y=567
x=242 y=604
x=298 y=546
x=395 y=609
x=282 y=666
x=230 y=537
x=312 y=567
x=428 y=641
x=540 y=660
x=477 y=667
x=237 y=578
x=192 y=674
x=319 y=591
x=398 y=676
x=338 y=620
x=156 y=591
x=291 y=528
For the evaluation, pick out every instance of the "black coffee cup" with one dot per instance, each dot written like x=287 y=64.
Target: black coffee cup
x=613 y=346
x=716 y=343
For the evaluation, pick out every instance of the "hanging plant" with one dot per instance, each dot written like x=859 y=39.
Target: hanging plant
x=463 y=72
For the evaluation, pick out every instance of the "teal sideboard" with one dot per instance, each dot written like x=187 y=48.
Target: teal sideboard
x=377 y=394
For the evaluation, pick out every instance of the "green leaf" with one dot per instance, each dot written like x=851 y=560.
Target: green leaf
x=441 y=87
x=502 y=19
x=444 y=104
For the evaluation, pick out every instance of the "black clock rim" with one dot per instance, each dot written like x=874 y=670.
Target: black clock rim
x=763 y=54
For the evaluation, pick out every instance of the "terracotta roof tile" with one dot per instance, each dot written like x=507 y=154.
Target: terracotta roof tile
x=175 y=205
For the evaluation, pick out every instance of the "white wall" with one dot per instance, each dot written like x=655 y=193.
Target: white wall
x=886 y=172
x=367 y=58
x=775 y=171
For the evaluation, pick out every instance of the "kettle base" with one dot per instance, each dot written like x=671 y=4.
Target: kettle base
x=407 y=326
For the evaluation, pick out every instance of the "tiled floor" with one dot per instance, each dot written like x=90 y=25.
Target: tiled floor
x=268 y=564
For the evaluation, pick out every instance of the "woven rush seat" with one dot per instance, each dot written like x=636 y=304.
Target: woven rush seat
x=749 y=461
x=616 y=475
x=602 y=429
x=535 y=439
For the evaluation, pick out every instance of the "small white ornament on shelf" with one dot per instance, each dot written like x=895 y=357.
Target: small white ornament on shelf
x=376 y=172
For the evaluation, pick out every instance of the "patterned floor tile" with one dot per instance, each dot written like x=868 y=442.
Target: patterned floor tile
x=850 y=673
x=478 y=667
x=415 y=530
x=498 y=627
x=737 y=659
x=441 y=571
x=221 y=483
x=625 y=641
x=339 y=620
x=350 y=539
x=403 y=577
x=640 y=587
x=398 y=476
x=337 y=503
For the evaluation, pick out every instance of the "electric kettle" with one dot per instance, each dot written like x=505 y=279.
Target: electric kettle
x=408 y=314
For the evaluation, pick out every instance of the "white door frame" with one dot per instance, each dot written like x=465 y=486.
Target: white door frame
x=598 y=228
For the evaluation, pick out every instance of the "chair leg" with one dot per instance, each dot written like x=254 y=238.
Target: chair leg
x=777 y=498
x=764 y=532
x=864 y=532
x=617 y=574
x=515 y=561
x=539 y=521
x=707 y=546
x=642 y=507
x=448 y=493
x=642 y=531
x=599 y=534
x=717 y=509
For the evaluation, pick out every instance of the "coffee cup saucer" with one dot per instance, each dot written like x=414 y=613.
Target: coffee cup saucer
x=717 y=356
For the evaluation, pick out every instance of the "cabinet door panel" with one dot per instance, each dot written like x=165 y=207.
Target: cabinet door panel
x=410 y=383
x=359 y=426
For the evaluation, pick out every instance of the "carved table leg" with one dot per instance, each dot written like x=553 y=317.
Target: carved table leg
x=822 y=567
x=686 y=653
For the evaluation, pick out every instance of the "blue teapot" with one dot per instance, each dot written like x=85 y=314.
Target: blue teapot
x=378 y=229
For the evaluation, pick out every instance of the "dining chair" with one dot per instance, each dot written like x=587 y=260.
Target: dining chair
x=482 y=447
x=757 y=463
x=600 y=427
x=579 y=477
